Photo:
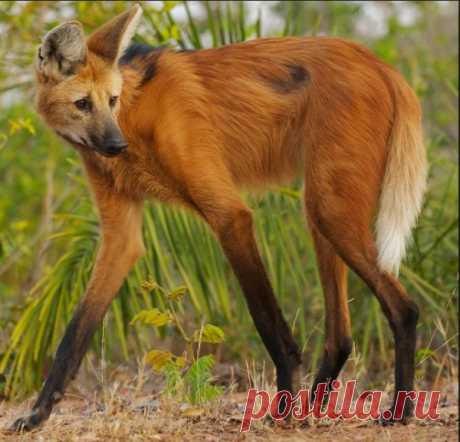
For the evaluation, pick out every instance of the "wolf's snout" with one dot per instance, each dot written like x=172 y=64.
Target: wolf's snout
x=113 y=147
x=110 y=146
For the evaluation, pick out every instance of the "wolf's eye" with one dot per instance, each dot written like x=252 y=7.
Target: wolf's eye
x=83 y=104
x=113 y=101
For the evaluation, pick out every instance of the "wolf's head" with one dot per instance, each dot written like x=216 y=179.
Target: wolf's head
x=78 y=82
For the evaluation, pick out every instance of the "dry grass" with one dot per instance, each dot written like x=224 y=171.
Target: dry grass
x=128 y=409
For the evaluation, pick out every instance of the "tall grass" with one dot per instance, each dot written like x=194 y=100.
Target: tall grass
x=182 y=251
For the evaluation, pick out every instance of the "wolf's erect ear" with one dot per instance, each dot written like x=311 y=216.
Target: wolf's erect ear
x=63 y=50
x=112 y=38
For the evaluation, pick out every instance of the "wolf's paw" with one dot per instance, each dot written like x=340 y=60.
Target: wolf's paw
x=387 y=418
x=28 y=422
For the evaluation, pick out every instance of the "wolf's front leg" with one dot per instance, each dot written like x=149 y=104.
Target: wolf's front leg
x=121 y=246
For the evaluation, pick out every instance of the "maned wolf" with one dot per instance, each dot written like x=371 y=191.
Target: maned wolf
x=193 y=128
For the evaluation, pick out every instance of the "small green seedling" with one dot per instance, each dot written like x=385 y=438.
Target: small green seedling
x=188 y=376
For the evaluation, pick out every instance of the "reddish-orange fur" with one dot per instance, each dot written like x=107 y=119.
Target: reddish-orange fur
x=216 y=112
x=211 y=123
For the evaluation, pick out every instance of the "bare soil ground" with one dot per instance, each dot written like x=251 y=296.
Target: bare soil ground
x=124 y=416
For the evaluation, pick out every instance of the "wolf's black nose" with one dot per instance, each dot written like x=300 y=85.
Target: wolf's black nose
x=112 y=147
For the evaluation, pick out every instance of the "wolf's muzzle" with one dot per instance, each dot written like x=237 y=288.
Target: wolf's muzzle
x=111 y=148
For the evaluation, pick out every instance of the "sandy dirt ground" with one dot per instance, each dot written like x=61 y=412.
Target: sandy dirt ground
x=123 y=416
